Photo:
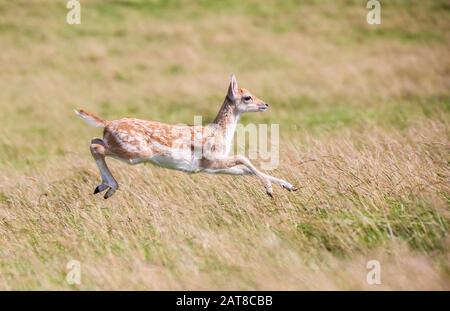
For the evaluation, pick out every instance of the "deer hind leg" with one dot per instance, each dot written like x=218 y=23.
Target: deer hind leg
x=108 y=181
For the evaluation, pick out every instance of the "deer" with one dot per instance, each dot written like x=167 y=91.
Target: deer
x=187 y=148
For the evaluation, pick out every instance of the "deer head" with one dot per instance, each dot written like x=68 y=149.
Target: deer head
x=243 y=100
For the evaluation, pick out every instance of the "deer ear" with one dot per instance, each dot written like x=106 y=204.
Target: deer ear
x=233 y=88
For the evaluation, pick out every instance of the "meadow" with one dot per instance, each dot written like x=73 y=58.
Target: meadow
x=364 y=115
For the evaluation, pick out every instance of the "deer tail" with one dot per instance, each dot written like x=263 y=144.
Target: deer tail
x=91 y=119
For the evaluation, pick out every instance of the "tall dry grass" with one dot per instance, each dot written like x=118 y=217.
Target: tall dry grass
x=369 y=195
x=364 y=122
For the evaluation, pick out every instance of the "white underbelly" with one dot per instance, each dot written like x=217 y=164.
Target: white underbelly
x=179 y=163
x=178 y=159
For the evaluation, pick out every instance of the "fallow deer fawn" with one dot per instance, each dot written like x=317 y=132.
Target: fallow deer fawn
x=181 y=147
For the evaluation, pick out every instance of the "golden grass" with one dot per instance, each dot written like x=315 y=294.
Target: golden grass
x=364 y=117
x=362 y=197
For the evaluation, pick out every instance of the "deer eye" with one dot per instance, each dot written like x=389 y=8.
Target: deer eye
x=247 y=98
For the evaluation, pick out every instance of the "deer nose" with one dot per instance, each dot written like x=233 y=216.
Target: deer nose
x=266 y=104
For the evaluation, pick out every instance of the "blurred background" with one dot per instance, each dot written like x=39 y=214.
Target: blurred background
x=319 y=63
x=364 y=94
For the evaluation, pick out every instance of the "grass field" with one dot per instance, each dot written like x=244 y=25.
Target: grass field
x=364 y=114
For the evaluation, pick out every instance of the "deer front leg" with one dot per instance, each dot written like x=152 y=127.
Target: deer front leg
x=281 y=182
x=242 y=170
x=97 y=148
x=228 y=166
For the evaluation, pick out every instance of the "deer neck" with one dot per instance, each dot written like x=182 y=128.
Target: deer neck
x=226 y=121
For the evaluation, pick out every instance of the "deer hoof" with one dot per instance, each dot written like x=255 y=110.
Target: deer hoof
x=290 y=188
x=100 y=188
x=109 y=193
